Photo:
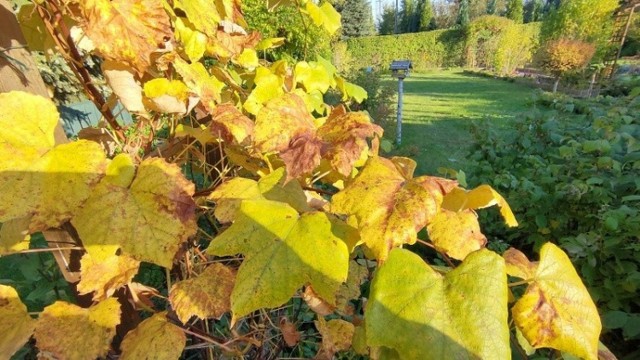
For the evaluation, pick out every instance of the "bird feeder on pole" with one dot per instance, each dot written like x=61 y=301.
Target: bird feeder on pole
x=400 y=70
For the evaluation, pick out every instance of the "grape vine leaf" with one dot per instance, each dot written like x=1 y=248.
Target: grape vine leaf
x=231 y=125
x=451 y=314
x=285 y=125
x=167 y=96
x=325 y=16
x=314 y=76
x=198 y=80
x=351 y=288
x=104 y=276
x=230 y=194
x=479 y=198
x=267 y=86
x=388 y=206
x=147 y=213
x=337 y=335
x=154 y=338
x=126 y=31
x=456 y=233
x=25 y=134
x=518 y=265
x=121 y=78
x=67 y=331
x=556 y=310
x=193 y=41
x=58 y=179
x=206 y=296
x=14 y=235
x=350 y=90
x=203 y=14
x=283 y=251
x=16 y=326
x=347 y=134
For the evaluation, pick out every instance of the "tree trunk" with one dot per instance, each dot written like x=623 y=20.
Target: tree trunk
x=555 y=84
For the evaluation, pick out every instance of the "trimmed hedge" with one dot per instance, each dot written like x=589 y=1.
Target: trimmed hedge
x=427 y=50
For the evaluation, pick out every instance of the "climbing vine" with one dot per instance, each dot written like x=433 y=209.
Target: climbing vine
x=253 y=193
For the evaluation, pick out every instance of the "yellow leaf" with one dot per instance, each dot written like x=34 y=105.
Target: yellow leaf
x=324 y=15
x=167 y=96
x=27 y=123
x=337 y=335
x=283 y=251
x=270 y=43
x=34 y=30
x=230 y=194
x=155 y=338
x=58 y=179
x=556 y=310
x=248 y=59
x=193 y=41
x=202 y=134
x=14 y=235
x=388 y=208
x=351 y=91
x=198 y=80
x=456 y=233
x=148 y=219
x=313 y=76
x=267 y=86
x=16 y=326
x=121 y=79
x=67 y=331
x=206 y=296
x=231 y=125
x=203 y=14
x=347 y=132
x=126 y=31
x=518 y=265
x=105 y=276
x=479 y=198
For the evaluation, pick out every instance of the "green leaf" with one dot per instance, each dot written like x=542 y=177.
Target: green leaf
x=425 y=315
x=282 y=252
x=556 y=310
x=615 y=319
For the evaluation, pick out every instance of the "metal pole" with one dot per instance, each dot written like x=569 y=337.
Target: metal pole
x=399 y=120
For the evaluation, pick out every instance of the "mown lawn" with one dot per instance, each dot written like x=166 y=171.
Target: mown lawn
x=439 y=108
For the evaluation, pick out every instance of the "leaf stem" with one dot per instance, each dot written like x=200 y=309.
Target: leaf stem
x=522 y=282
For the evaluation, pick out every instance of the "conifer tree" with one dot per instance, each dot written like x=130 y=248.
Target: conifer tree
x=357 y=19
x=425 y=12
x=463 y=13
x=515 y=10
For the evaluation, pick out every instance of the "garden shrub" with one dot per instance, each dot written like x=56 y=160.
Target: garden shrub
x=490 y=46
x=562 y=56
x=571 y=175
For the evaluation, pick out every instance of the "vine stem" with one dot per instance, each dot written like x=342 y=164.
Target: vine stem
x=518 y=283
x=29 y=251
x=62 y=36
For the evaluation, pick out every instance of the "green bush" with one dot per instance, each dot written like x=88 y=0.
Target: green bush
x=431 y=49
x=445 y=48
x=570 y=173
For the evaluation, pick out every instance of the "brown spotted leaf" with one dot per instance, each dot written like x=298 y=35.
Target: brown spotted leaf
x=518 y=265
x=126 y=31
x=67 y=331
x=200 y=82
x=303 y=155
x=226 y=45
x=104 y=276
x=231 y=124
x=16 y=326
x=388 y=208
x=337 y=335
x=347 y=134
x=230 y=194
x=457 y=234
x=206 y=296
x=154 y=338
x=146 y=212
x=316 y=304
x=556 y=310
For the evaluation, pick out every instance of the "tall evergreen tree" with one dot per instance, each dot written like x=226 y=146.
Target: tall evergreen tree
x=463 y=13
x=386 y=22
x=409 y=22
x=533 y=11
x=425 y=12
x=515 y=10
x=357 y=19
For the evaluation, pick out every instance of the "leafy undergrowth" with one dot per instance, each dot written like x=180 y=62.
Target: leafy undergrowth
x=570 y=171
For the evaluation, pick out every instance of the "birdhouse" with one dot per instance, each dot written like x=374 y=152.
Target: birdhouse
x=400 y=68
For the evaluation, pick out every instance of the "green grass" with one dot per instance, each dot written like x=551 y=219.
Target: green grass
x=439 y=108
